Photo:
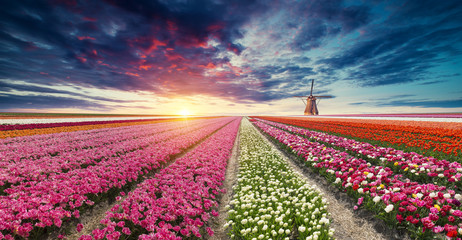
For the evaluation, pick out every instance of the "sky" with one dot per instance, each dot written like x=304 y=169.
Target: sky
x=224 y=57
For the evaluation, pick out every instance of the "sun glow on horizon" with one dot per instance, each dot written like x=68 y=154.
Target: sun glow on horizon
x=185 y=112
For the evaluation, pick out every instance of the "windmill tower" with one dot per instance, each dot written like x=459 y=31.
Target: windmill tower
x=311 y=108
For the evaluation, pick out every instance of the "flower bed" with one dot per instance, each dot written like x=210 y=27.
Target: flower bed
x=23 y=120
x=97 y=125
x=422 y=209
x=271 y=201
x=25 y=160
x=179 y=200
x=415 y=166
x=41 y=204
x=70 y=123
x=427 y=137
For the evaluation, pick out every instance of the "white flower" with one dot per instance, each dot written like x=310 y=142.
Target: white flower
x=389 y=208
x=301 y=229
x=458 y=197
x=324 y=221
x=376 y=199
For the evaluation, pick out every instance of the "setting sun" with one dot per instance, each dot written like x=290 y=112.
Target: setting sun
x=185 y=112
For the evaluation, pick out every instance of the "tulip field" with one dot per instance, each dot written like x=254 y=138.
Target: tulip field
x=408 y=190
x=164 y=178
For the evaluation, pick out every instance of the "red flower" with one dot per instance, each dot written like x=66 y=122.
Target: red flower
x=355 y=187
x=451 y=234
x=79 y=227
x=433 y=217
x=409 y=218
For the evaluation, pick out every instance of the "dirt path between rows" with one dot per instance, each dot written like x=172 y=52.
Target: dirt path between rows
x=230 y=179
x=348 y=224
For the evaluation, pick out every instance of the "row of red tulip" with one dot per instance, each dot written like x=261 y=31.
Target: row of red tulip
x=428 y=137
x=414 y=165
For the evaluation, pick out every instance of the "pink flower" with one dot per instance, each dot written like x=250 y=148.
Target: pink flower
x=214 y=213
x=184 y=232
x=79 y=227
x=209 y=231
x=85 y=237
x=126 y=231
x=98 y=234
x=434 y=210
x=438 y=229
x=360 y=201
x=427 y=223
x=411 y=208
x=457 y=213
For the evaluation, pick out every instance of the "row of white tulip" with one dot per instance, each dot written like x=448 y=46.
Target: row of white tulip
x=271 y=200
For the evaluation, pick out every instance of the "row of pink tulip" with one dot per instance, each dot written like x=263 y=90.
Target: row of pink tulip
x=9 y=127
x=40 y=204
x=35 y=146
x=82 y=153
x=5 y=142
x=414 y=165
x=179 y=200
x=423 y=209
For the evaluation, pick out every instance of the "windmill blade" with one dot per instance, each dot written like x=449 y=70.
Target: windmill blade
x=323 y=96
x=312 y=83
x=301 y=96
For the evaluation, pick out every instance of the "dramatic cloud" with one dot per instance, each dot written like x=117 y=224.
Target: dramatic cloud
x=9 y=101
x=404 y=47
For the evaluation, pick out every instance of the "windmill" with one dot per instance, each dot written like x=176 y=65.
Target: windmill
x=311 y=108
